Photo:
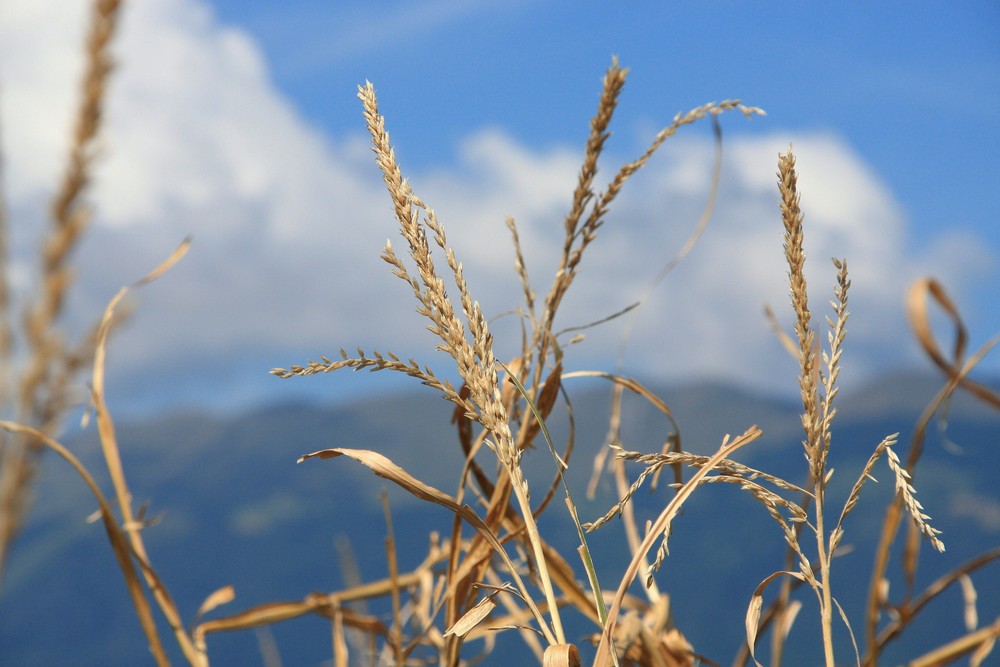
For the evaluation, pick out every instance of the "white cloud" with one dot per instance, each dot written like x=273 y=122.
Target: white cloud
x=288 y=223
x=707 y=317
x=39 y=73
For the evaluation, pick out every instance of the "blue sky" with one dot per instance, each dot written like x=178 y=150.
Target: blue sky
x=914 y=87
x=237 y=122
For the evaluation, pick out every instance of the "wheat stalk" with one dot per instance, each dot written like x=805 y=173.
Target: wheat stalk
x=852 y=498
x=791 y=216
x=468 y=342
x=42 y=391
x=816 y=425
x=913 y=506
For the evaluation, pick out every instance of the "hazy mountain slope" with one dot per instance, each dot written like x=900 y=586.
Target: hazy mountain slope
x=238 y=510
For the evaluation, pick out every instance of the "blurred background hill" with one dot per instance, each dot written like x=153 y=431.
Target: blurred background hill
x=234 y=508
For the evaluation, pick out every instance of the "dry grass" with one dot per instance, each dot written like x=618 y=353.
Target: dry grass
x=44 y=381
x=495 y=572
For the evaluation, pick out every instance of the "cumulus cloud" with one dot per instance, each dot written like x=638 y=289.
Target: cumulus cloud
x=288 y=223
x=707 y=317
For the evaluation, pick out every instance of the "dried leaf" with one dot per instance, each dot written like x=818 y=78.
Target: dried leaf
x=970 y=615
x=756 y=603
x=917 y=312
x=472 y=618
x=386 y=469
x=561 y=655
x=462 y=422
x=224 y=595
x=629 y=384
x=112 y=457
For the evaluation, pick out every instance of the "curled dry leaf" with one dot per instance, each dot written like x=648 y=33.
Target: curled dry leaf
x=472 y=618
x=561 y=655
x=756 y=602
x=917 y=312
x=385 y=468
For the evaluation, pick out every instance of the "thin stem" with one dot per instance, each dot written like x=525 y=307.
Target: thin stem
x=826 y=606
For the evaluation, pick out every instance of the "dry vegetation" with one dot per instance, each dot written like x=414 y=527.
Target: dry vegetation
x=494 y=574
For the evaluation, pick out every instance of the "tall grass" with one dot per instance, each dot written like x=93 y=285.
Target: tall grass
x=496 y=571
x=38 y=392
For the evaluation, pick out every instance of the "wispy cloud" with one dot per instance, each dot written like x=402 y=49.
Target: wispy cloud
x=327 y=34
x=982 y=510
x=288 y=223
